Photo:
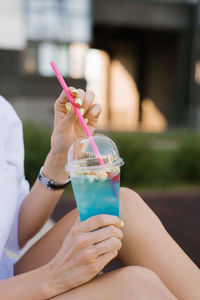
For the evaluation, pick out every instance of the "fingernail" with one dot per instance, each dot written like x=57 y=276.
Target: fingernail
x=82 y=111
x=68 y=107
x=74 y=91
x=86 y=120
x=78 y=101
x=122 y=223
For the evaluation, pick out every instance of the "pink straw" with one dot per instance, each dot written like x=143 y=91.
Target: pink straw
x=83 y=123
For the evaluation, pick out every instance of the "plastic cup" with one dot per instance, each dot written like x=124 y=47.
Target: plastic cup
x=96 y=187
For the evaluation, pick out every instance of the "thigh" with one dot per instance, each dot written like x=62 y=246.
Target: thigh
x=47 y=247
x=103 y=287
x=126 y=283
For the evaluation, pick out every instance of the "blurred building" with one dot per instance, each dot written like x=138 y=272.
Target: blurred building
x=38 y=32
x=142 y=58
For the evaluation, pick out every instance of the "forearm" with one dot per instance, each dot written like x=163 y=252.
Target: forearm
x=40 y=202
x=31 y=285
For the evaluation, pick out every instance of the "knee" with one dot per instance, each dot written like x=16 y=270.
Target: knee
x=133 y=207
x=139 y=281
x=127 y=195
x=140 y=274
x=130 y=202
x=134 y=275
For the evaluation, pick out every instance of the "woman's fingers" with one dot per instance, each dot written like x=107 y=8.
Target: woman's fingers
x=62 y=99
x=83 y=100
x=105 y=233
x=103 y=260
x=88 y=100
x=93 y=114
x=73 y=91
x=107 y=246
x=97 y=222
x=63 y=105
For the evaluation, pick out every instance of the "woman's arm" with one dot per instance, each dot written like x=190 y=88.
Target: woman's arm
x=84 y=253
x=40 y=202
x=30 y=285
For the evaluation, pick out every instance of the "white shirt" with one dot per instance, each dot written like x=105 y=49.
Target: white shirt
x=13 y=186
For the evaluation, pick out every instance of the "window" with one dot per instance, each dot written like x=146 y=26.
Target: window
x=60 y=20
x=54 y=27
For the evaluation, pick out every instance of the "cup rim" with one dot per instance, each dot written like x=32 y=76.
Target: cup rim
x=119 y=163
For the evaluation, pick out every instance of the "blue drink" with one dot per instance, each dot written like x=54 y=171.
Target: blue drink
x=96 y=187
x=95 y=196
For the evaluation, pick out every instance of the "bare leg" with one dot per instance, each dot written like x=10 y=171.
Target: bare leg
x=126 y=283
x=146 y=243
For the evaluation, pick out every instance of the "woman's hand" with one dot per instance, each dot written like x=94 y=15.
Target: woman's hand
x=84 y=253
x=67 y=127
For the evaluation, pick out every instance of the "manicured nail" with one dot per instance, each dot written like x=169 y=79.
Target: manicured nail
x=122 y=223
x=74 y=91
x=78 y=101
x=82 y=111
x=68 y=107
x=86 y=120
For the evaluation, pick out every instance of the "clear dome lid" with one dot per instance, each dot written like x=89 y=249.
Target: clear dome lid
x=82 y=157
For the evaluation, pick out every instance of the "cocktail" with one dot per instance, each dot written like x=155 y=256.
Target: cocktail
x=96 y=187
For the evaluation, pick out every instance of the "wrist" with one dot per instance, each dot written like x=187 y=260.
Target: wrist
x=51 y=185
x=39 y=283
x=47 y=285
x=52 y=285
x=54 y=167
